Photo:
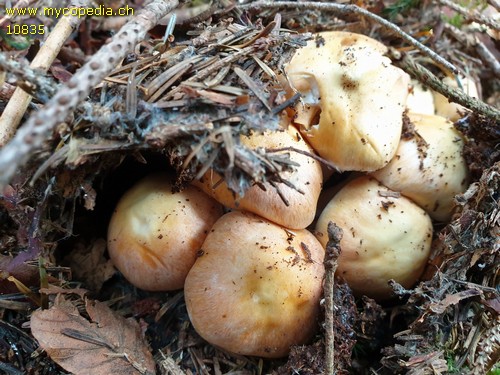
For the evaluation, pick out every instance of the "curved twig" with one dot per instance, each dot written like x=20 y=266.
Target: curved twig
x=349 y=9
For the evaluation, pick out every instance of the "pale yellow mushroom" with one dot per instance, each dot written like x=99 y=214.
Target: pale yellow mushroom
x=450 y=110
x=429 y=167
x=420 y=100
x=300 y=206
x=385 y=236
x=256 y=287
x=154 y=234
x=353 y=99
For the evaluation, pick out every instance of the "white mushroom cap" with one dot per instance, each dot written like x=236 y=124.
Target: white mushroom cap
x=256 y=287
x=267 y=203
x=385 y=236
x=420 y=99
x=353 y=99
x=154 y=234
x=451 y=110
x=429 y=168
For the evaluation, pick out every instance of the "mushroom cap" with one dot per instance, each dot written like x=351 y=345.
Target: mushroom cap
x=385 y=236
x=307 y=177
x=154 y=234
x=420 y=99
x=256 y=287
x=451 y=110
x=353 y=99
x=429 y=168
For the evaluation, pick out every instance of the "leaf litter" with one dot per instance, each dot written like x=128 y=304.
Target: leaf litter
x=103 y=343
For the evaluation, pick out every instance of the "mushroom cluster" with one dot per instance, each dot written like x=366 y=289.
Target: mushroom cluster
x=352 y=111
x=252 y=277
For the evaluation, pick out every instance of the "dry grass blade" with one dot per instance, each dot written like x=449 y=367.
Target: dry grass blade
x=218 y=77
x=247 y=80
x=204 y=73
x=162 y=83
x=236 y=91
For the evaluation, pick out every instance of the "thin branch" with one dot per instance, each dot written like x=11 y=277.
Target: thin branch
x=18 y=104
x=332 y=253
x=39 y=127
x=495 y=4
x=417 y=71
x=349 y=9
x=468 y=39
x=471 y=14
x=27 y=76
x=19 y=4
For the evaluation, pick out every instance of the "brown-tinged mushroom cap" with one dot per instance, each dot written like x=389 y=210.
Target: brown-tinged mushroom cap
x=256 y=287
x=429 y=168
x=299 y=209
x=154 y=234
x=385 y=236
x=353 y=99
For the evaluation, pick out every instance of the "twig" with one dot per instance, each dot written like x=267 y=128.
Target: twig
x=168 y=366
x=332 y=253
x=488 y=57
x=495 y=4
x=417 y=71
x=471 y=14
x=25 y=75
x=481 y=49
x=20 y=4
x=349 y=9
x=33 y=134
x=18 y=104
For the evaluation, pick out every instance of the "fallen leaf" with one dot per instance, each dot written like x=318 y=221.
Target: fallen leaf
x=453 y=299
x=493 y=304
x=90 y=265
x=54 y=289
x=107 y=344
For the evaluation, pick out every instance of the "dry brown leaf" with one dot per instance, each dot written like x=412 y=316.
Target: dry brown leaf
x=493 y=304
x=431 y=363
x=108 y=344
x=453 y=299
x=90 y=265
x=54 y=289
